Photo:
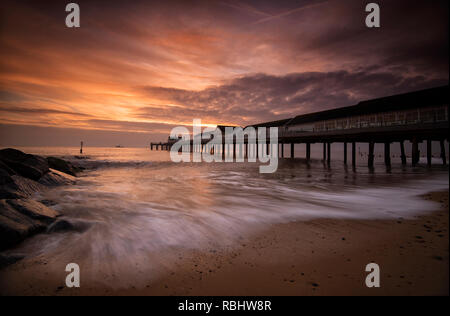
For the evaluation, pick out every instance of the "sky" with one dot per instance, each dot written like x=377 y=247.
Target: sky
x=134 y=70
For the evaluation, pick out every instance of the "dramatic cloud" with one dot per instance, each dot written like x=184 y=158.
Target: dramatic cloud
x=145 y=66
x=262 y=97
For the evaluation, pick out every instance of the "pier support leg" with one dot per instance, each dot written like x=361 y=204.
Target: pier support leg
x=308 y=152
x=354 y=154
x=223 y=151
x=429 y=152
x=292 y=150
x=267 y=148
x=443 y=156
x=329 y=153
x=345 y=153
x=415 y=152
x=234 y=151
x=403 y=154
x=387 y=154
x=282 y=150
x=371 y=154
x=324 y=151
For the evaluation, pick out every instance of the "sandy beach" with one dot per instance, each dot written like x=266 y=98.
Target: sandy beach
x=319 y=257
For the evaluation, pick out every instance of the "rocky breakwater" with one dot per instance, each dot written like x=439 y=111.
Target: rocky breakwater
x=22 y=175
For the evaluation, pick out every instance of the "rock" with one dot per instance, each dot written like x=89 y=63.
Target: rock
x=21 y=218
x=28 y=166
x=21 y=175
x=6 y=260
x=4 y=169
x=48 y=202
x=5 y=174
x=34 y=210
x=5 y=178
x=55 y=177
x=17 y=187
x=62 y=165
x=63 y=225
x=15 y=226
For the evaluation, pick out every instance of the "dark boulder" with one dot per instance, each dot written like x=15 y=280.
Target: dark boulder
x=5 y=178
x=6 y=260
x=34 y=210
x=22 y=175
x=5 y=174
x=16 y=187
x=55 y=178
x=28 y=166
x=21 y=218
x=15 y=226
x=62 y=165
x=4 y=169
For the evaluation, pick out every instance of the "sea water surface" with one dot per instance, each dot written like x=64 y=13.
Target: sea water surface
x=132 y=205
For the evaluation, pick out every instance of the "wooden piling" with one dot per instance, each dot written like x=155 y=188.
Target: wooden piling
x=371 y=154
x=403 y=153
x=324 y=151
x=308 y=152
x=387 y=154
x=443 y=156
x=345 y=153
x=292 y=150
x=429 y=152
x=415 y=152
x=329 y=153
x=354 y=154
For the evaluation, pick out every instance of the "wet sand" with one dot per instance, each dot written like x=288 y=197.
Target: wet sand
x=319 y=257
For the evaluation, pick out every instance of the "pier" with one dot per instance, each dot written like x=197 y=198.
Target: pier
x=161 y=145
x=415 y=117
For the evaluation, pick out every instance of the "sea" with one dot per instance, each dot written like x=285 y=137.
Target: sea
x=135 y=210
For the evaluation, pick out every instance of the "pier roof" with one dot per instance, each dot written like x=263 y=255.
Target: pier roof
x=411 y=100
x=272 y=123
